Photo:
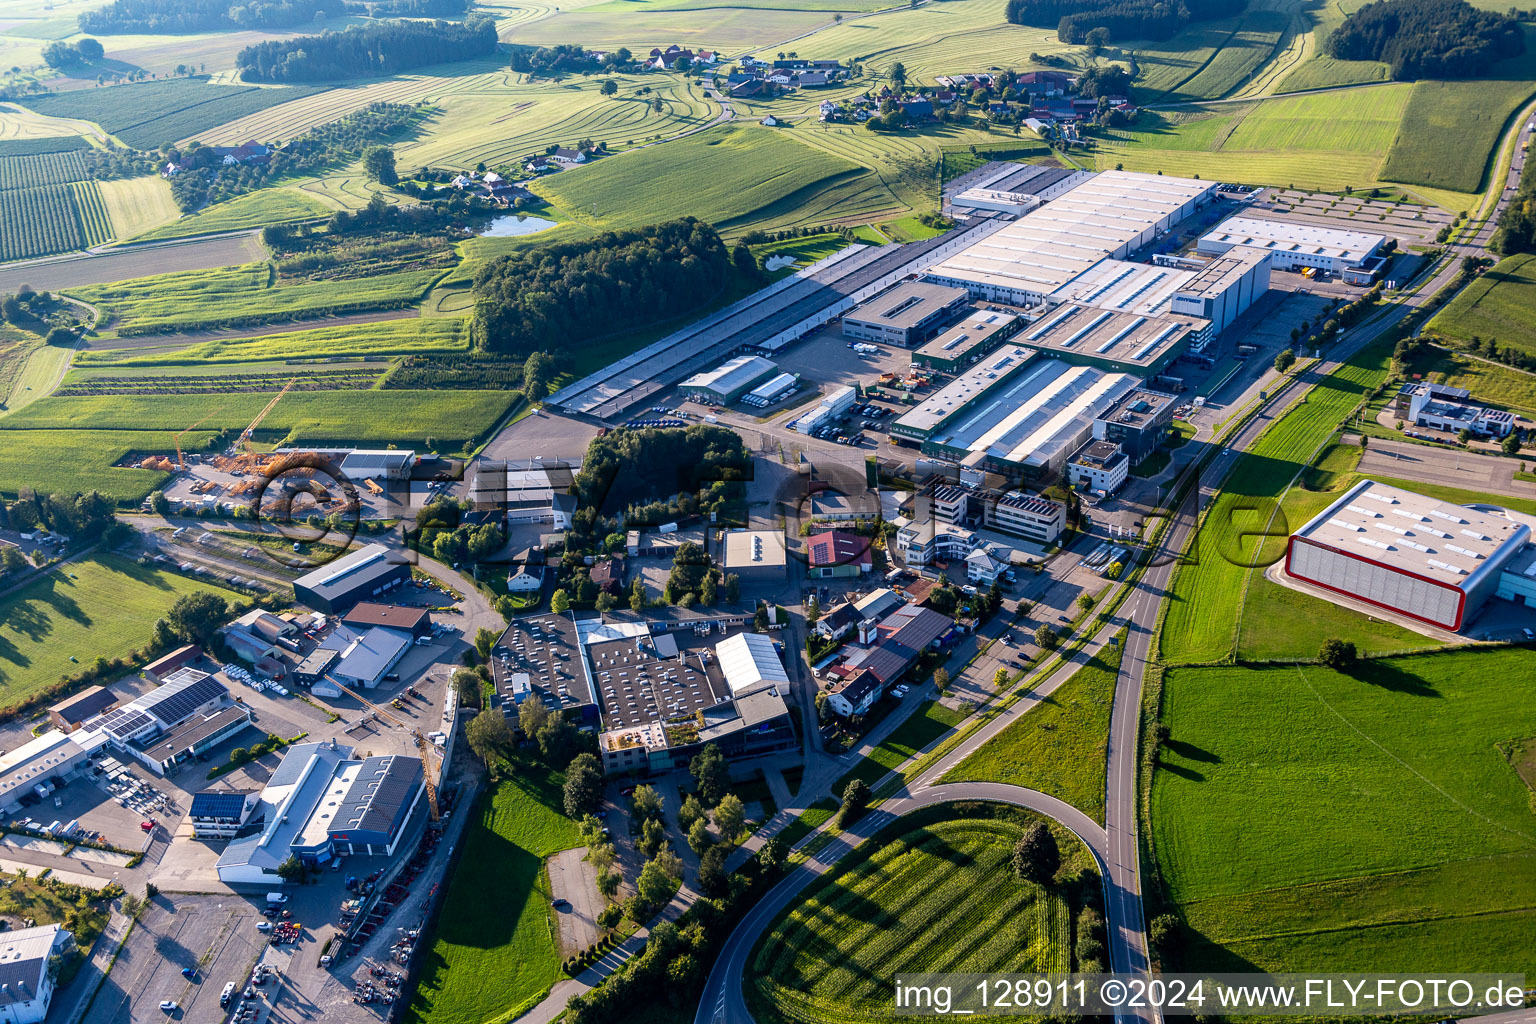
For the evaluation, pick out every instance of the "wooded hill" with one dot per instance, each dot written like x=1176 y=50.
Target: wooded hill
x=367 y=51
x=1123 y=19
x=1427 y=38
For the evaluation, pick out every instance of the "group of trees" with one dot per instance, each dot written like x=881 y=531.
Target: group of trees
x=186 y=16
x=1076 y=20
x=441 y=532
x=654 y=475
x=68 y=55
x=205 y=178
x=565 y=59
x=88 y=514
x=409 y=8
x=367 y=51
x=1427 y=38
x=544 y=298
x=1517 y=224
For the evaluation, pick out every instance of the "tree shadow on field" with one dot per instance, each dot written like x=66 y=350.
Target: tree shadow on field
x=1387 y=676
x=1181 y=771
x=1190 y=752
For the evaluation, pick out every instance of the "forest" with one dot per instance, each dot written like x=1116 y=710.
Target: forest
x=1121 y=19
x=183 y=16
x=367 y=51
x=409 y=8
x=546 y=298
x=1427 y=38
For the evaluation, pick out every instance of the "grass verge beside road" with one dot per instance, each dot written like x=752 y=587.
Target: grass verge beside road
x=1060 y=748
x=494 y=945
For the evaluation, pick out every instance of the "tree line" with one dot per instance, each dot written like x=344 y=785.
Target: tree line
x=1120 y=19
x=549 y=297
x=183 y=16
x=367 y=51
x=565 y=59
x=1516 y=232
x=1427 y=38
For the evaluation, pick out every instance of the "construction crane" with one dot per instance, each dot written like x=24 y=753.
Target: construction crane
x=244 y=443
x=423 y=745
x=181 y=461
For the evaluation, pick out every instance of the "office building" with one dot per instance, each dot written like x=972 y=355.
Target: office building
x=27 y=971
x=1098 y=466
x=1136 y=422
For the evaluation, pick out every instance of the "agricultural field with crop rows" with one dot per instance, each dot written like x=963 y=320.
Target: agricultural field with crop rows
x=147 y=115
x=939 y=897
x=244 y=295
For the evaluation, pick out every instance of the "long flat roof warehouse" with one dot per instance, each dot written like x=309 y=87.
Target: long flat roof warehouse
x=1034 y=421
x=1140 y=343
x=954 y=397
x=1105 y=216
x=1290 y=241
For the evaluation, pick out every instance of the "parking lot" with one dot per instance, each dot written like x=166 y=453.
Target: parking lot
x=213 y=936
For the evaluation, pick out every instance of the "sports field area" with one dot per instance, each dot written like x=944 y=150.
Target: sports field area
x=1500 y=306
x=493 y=951
x=101 y=606
x=1305 y=819
x=921 y=897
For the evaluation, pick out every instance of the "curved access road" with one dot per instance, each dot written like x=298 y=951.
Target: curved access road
x=723 y=1001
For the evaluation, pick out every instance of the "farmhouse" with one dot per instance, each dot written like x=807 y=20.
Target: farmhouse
x=1432 y=561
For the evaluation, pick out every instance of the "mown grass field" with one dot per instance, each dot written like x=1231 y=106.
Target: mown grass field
x=411 y=336
x=1321 y=71
x=1499 y=306
x=728 y=176
x=1060 y=747
x=1450 y=129
x=257 y=210
x=234 y=296
x=1306 y=819
x=102 y=606
x=146 y=115
x=137 y=206
x=448 y=421
x=493 y=947
x=1241 y=527
x=935 y=897
x=66 y=461
x=1209 y=60
x=1322 y=141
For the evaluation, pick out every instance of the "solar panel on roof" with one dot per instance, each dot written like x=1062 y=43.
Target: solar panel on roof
x=178 y=706
x=218 y=805
x=126 y=721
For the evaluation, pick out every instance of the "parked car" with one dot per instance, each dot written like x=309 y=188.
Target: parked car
x=560 y=904
x=168 y=1006
x=263 y=926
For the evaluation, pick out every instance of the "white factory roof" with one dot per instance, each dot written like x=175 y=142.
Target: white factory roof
x=754 y=547
x=749 y=661
x=1290 y=237
x=1050 y=246
x=993 y=195
x=1038 y=413
x=39 y=758
x=943 y=403
x=731 y=374
x=1410 y=532
x=1128 y=287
